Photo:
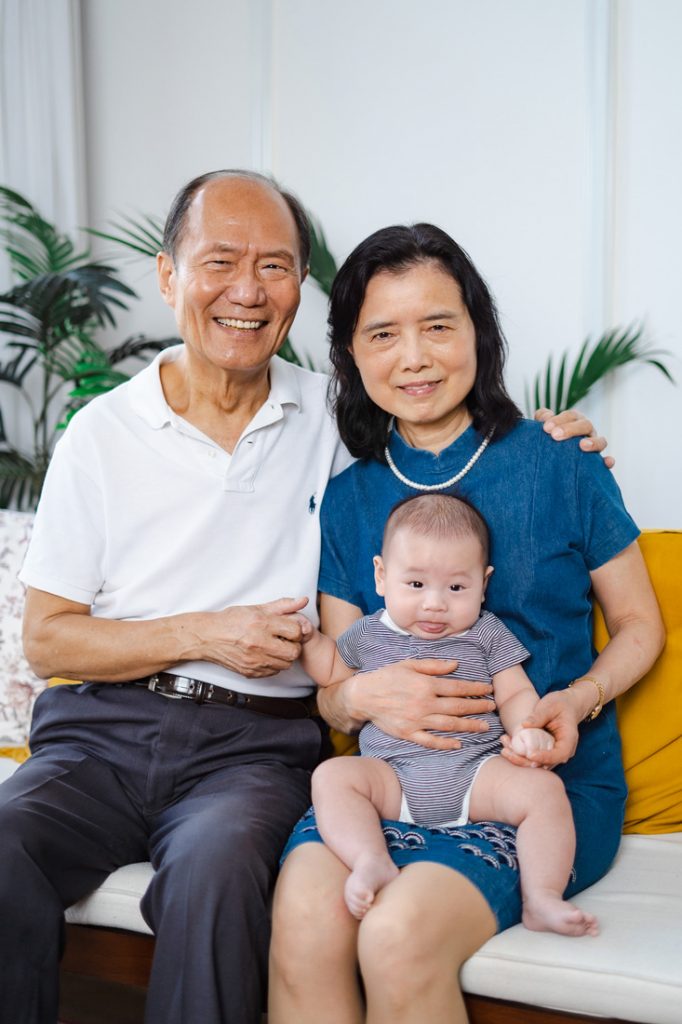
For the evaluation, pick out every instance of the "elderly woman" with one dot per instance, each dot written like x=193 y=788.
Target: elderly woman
x=420 y=400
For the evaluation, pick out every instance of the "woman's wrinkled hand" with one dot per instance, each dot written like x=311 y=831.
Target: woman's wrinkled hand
x=559 y=715
x=412 y=700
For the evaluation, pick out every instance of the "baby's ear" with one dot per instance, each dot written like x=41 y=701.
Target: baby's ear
x=486 y=577
x=379 y=575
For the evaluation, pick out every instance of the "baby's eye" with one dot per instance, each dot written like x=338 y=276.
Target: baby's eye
x=456 y=587
x=415 y=584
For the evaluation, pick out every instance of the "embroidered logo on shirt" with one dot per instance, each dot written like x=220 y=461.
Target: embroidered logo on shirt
x=312 y=504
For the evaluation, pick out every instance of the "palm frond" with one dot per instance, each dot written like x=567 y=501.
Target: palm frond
x=138 y=346
x=13 y=371
x=322 y=264
x=79 y=295
x=595 y=361
x=21 y=480
x=143 y=235
x=34 y=246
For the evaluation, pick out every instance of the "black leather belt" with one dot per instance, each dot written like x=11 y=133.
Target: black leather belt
x=200 y=692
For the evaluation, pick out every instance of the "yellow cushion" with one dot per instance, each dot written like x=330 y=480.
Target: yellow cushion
x=16 y=753
x=650 y=714
x=343 y=744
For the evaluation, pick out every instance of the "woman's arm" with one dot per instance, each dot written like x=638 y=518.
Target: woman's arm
x=637 y=636
x=408 y=700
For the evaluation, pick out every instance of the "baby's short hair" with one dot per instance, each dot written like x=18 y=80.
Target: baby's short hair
x=441 y=516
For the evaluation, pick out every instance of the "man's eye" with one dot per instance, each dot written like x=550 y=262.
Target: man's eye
x=381 y=336
x=219 y=263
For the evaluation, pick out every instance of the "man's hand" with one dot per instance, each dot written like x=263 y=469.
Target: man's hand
x=255 y=640
x=410 y=699
x=572 y=423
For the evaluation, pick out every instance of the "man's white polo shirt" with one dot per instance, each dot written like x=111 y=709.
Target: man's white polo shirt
x=144 y=516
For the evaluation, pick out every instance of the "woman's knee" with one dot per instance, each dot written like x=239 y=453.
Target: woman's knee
x=422 y=932
x=310 y=920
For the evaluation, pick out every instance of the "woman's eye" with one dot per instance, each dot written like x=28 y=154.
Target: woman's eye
x=381 y=336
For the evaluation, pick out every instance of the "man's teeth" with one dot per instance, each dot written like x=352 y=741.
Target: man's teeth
x=241 y=325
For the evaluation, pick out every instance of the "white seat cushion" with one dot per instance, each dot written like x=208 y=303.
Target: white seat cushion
x=631 y=971
x=116 y=904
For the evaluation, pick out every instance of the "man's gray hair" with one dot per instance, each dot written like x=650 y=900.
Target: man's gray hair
x=177 y=215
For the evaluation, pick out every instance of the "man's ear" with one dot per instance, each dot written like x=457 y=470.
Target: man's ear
x=165 y=273
x=304 y=273
x=379 y=575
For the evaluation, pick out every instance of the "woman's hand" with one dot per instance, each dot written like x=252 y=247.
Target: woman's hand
x=572 y=423
x=558 y=714
x=411 y=700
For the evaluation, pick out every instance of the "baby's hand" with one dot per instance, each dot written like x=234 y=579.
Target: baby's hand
x=307 y=628
x=527 y=741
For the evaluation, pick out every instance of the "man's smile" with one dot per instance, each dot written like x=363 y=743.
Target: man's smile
x=240 y=325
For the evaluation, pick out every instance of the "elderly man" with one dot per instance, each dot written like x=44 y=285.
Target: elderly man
x=176 y=508
x=178 y=512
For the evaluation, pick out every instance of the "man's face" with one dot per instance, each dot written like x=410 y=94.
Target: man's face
x=235 y=284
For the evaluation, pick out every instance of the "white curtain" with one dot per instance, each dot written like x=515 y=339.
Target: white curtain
x=41 y=107
x=41 y=130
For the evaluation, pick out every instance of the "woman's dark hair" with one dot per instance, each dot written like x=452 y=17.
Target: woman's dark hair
x=362 y=424
x=177 y=215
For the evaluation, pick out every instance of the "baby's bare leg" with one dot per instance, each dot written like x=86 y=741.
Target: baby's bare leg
x=351 y=795
x=535 y=801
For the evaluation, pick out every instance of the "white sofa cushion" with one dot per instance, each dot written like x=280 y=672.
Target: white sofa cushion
x=116 y=904
x=631 y=971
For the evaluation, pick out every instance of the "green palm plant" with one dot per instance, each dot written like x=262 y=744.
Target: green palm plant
x=564 y=387
x=49 y=319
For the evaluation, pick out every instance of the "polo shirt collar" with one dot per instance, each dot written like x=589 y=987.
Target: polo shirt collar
x=148 y=400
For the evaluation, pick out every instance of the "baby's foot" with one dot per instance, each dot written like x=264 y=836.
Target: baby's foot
x=370 y=874
x=547 y=912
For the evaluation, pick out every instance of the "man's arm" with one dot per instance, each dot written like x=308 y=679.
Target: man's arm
x=571 y=423
x=62 y=638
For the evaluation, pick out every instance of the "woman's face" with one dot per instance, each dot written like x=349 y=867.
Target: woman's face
x=415 y=349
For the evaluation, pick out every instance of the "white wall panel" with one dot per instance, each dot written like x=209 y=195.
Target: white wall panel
x=648 y=264
x=172 y=90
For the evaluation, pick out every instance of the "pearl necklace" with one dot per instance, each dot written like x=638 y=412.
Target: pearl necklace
x=447 y=483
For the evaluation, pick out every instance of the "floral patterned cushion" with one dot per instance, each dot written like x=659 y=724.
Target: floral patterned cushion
x=19 y=687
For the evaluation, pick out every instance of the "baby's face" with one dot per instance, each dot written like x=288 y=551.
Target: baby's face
x=432 y=587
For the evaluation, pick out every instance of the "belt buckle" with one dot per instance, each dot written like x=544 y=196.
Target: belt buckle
x=153 y=685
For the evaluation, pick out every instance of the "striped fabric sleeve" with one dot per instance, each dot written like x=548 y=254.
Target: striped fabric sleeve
x=502 y=647
x=348 y=644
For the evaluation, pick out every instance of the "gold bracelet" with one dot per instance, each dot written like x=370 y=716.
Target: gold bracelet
x=601 y=696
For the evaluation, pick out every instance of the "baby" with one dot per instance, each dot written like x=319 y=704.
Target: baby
x=432 y=574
